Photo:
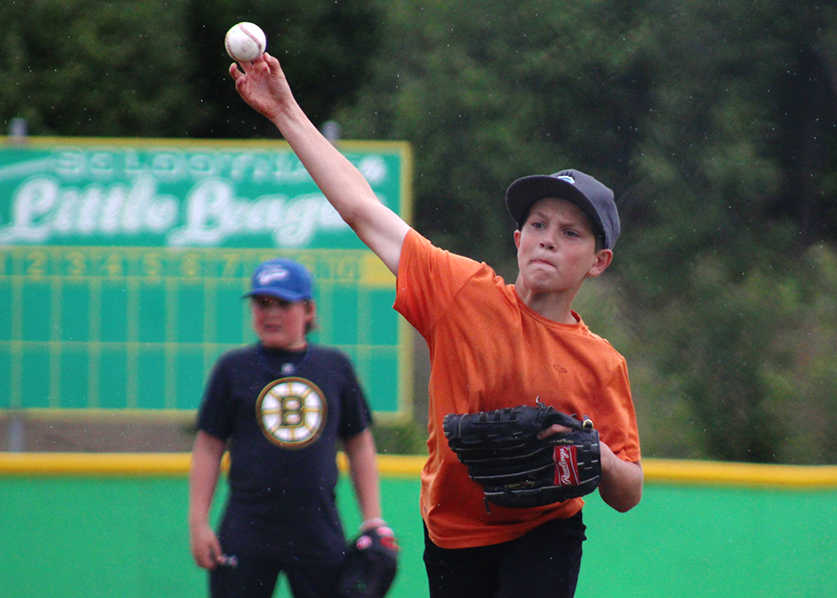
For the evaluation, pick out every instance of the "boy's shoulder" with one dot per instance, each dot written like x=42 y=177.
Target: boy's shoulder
x=238 y=354
x=327 y=352
x=596 y=340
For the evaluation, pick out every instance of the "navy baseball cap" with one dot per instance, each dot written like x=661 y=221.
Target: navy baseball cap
x=594 y=198
x=285 y=279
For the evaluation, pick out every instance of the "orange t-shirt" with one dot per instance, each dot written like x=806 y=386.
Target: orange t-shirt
x=489 y=350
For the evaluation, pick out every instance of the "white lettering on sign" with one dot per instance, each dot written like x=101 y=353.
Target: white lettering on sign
x=183 y=198
x=213 y=214
x=177 y=165
x=43 y=211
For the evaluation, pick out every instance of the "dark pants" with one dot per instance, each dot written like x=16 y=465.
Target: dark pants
x=255 y=577
x=543 y=563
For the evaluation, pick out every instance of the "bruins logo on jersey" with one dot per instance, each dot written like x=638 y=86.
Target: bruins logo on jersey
x=291 y=412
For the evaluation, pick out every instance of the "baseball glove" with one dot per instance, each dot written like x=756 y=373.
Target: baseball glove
x=370 y=565
x=515 y=468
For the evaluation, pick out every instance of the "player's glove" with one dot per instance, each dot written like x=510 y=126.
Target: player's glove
x=370 y=565
x=504 y=455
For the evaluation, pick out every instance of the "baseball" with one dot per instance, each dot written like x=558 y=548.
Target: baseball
x=245 y=42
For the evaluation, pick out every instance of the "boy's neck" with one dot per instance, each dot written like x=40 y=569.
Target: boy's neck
x=296 y=348
x=551 y=305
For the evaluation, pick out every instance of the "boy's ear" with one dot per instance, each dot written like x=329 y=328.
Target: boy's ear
x=603 y=259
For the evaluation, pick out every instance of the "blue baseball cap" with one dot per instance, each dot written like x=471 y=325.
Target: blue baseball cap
x=282 y=278
x=594 y=199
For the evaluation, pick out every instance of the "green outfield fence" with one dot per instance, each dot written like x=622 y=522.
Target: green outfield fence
x=114 y=525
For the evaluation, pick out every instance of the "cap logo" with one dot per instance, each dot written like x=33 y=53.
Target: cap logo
x=271 y=274
x=566 y=178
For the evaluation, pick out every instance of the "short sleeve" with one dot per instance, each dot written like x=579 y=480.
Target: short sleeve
x=428 y=280
x=355 y=415
x=217 y=411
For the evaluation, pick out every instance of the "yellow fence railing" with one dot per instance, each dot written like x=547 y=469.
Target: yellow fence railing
x=669 y=471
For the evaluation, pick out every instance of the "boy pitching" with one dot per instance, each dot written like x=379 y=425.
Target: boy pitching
x=492 y=345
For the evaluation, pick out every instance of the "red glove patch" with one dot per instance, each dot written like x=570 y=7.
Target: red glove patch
x=566 y=466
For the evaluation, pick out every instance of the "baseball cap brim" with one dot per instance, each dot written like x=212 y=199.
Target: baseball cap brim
x=525 y=191
x=278 y=293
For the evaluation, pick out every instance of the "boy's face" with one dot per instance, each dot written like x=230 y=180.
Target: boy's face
x=281 y=324
x=556 y=247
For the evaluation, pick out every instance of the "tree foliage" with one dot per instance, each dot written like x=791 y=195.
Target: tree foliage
x=159 y=68
x=715 y=123
x=95 y=68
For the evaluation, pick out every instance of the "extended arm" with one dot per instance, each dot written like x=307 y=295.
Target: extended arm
x=263 y=85
x=363 y=470
x=203 y=478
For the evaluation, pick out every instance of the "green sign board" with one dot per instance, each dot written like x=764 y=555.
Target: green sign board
x=123 y=262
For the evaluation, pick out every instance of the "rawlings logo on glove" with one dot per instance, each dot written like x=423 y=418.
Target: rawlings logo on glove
x=566 y=466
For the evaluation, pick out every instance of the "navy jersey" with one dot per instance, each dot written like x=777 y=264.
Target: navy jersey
x=282 y=413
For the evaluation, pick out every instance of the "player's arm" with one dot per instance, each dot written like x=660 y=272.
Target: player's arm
x=621 y=483
x=203 y=478
x=263 y=85
x=363 y=470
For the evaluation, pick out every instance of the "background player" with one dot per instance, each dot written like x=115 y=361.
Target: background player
x=280 y=406
x=492 y=345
